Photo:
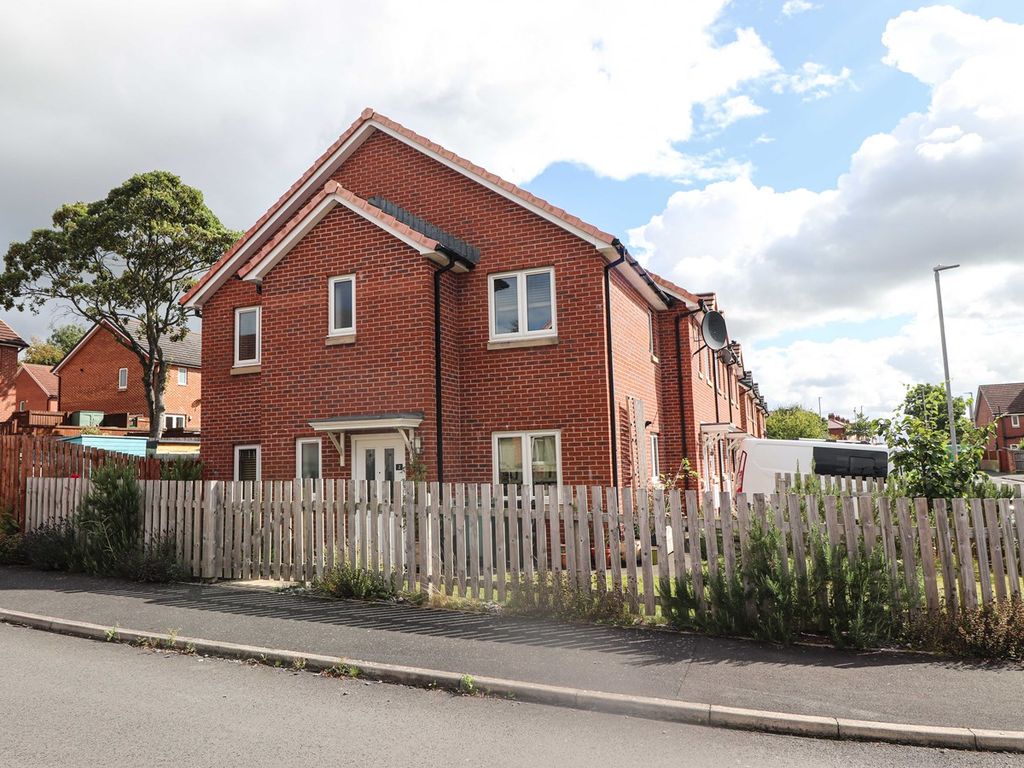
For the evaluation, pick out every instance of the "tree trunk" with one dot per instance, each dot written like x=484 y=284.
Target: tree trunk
x=154 y=381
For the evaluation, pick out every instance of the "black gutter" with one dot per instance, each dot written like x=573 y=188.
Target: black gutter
x=438 y=416
x=613 y=421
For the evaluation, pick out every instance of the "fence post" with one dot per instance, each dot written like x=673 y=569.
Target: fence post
x=213 y=510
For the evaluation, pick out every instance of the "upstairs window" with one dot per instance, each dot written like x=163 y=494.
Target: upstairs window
x=182 y=377
x=650 y=333
x=122 y=378
x=341 y=298
x=174 y=421
x=247 y=336
x=1015 y=420
x=522 y=304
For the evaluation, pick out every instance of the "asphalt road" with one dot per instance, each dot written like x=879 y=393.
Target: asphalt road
x=72 y=702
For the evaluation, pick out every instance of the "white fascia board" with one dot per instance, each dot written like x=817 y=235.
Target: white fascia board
x=353 y=425
x=314 y=217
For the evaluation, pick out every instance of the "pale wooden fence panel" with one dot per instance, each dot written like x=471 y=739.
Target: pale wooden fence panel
x=488 y=542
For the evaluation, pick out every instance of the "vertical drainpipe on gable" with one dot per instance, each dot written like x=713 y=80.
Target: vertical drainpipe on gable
x=679 y=388
x=613 y=421
x=718 y=420
x=437 y=361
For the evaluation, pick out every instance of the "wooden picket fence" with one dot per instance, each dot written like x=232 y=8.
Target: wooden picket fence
x=828 y=484
x=25 y=456
x=487 y=541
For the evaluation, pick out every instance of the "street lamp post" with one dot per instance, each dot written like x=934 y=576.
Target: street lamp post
x=945 y=357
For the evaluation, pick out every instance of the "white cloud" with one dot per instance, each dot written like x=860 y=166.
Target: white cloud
x=944 y=186
x=793 y=7
x=725 y=113
x=812 y=81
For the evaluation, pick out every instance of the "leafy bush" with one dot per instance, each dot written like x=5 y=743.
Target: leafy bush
x=858 y=604
x=157 y=562
x=992 y=632
x=555 y=596
x=109 y=520
x=356 y=583
x=12 y=551
x=51 y=547
x=181 y=469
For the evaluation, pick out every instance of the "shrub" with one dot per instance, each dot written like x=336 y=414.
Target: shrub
x=356 y=583
x=109 y=520
x=51 y=547
x=858 y=604
x=555 y=596
x=992 y=632
x=181 y=469
x=12 y=551
x=156 y=562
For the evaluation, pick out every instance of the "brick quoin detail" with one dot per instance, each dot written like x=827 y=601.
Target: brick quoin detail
x=390 y=366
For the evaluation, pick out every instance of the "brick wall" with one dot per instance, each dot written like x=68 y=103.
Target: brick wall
x=996 y=451
x=88 y=382
x=8 y=372
x=29 y=391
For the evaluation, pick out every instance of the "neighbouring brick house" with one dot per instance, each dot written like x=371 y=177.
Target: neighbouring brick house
x=1003 y=405
x=402 y=312
x=11 y=345
x=36 y=387
x=101 y=374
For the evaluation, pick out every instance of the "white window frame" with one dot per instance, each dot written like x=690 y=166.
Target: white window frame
x=259 y=459
x=122 y=375
x=655 y=461
x=1014 y=419
x=331 y=330
x=521 y=276
x=23 y=406
x=182 y=376
x=524 y=438
x=319 y=456
x=259 y=335
x=181 y=416
x=650 y=333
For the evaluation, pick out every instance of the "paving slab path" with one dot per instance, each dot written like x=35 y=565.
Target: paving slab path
x=900 y=687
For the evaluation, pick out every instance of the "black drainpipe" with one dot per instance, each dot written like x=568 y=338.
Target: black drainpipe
x=437 y=362
x=679 y=388
x=613 y=420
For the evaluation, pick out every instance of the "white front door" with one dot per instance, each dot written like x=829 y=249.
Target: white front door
x=378 y=457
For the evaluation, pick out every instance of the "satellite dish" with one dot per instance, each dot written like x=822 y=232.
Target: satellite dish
x=713 y=329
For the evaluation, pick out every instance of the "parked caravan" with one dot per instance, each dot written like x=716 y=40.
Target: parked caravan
x=760 y=460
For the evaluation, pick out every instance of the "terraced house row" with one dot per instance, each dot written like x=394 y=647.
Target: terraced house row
x=402 y=313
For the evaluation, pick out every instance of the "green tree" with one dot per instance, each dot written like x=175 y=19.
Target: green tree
x=793 y=422
x=127 y=257
x=862 y=427
x=919 y=447
x=56 y=347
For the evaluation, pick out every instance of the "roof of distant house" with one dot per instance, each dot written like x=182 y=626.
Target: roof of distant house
x=44 y=376
x=9 y=337
x=1003 y=398
x=187 y=352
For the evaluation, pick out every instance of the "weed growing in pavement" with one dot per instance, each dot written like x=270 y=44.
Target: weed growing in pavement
x=112 y=634
x=356 y=583
x=556 y=596
x=467 y=685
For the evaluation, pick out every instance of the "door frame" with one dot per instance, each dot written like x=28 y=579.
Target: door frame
x=377 y=440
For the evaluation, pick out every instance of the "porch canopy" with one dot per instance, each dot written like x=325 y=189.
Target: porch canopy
x=336 y=427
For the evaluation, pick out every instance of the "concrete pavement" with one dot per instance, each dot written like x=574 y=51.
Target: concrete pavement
x=872 y=686
x=76 y=702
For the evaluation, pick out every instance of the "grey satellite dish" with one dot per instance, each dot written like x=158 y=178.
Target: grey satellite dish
x=713 y=329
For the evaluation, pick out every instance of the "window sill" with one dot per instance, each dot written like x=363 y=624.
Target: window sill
x=243 y=370
x=544 y=341
x=655 y=359
x=333 y=341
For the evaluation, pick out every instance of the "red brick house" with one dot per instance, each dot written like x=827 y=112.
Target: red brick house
x=1003 y=405
x=11 y=345
x=101 y=374
x=401 y=312
x=36 y=387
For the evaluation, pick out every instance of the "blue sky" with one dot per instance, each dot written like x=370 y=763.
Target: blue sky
x=808 y=166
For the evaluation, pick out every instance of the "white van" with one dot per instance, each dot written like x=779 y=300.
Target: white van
x=759 y=460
